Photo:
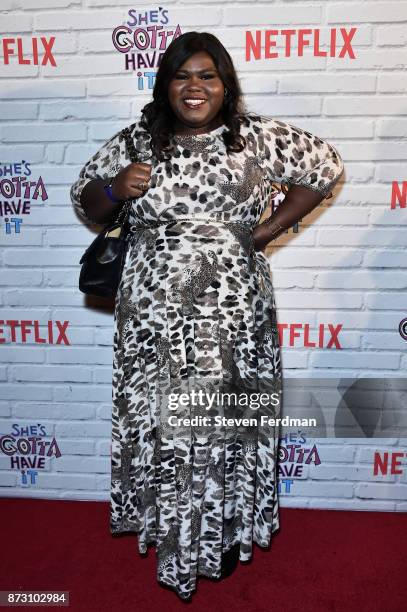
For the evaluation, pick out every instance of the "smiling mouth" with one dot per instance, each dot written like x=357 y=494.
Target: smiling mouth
x=194 y=102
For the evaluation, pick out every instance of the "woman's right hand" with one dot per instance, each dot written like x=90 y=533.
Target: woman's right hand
x=131 y=181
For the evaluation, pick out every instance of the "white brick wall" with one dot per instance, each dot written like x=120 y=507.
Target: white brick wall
x=346 y=265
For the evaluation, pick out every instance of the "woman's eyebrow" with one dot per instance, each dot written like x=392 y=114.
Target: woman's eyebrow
x=202 y=70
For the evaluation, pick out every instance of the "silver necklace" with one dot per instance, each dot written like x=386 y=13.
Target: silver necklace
x=197 y=142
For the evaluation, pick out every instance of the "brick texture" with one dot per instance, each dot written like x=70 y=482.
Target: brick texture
x=346 y=264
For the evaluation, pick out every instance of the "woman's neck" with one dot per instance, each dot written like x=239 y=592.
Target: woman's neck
x=184 y=129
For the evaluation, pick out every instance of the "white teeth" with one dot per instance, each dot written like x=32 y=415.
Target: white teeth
x=194 y=102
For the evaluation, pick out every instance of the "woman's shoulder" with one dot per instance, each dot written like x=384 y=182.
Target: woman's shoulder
x=251 y=118
x=137 y=134
x=275 y=130
x=257 y=122
x=134 y=131
x=138 y=127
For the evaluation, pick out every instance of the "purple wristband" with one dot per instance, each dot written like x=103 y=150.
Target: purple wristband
x=108 y=191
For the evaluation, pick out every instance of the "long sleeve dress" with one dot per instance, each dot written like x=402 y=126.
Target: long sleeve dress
x=195 y=310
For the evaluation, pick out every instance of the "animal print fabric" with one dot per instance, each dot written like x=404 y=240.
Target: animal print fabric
x=195 y=309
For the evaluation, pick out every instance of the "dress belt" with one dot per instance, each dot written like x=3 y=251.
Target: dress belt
x=155 y=223
x=246 y=226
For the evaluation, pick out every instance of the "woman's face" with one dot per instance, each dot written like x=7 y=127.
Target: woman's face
x=196 y=94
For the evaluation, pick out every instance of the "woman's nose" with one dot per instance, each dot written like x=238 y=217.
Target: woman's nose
x=193 y=81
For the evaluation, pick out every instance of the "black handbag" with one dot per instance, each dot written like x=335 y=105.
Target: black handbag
x=103 y=261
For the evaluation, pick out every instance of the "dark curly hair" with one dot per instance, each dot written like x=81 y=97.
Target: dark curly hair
x=157 y=116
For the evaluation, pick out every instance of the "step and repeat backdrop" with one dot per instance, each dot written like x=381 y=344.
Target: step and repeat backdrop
x=73 y=72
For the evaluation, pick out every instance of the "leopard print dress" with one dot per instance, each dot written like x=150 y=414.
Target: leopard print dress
x=195 y=310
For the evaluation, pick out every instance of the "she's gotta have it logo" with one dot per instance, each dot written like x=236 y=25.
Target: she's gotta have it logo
x=18 y=190
x=143 y=40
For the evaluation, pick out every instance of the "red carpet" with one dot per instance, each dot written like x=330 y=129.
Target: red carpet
x=320 y=560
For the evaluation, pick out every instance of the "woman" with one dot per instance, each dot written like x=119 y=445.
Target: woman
x=195 y=308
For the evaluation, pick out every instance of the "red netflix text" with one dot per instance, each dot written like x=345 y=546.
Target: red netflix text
x=397 y=196
x=39 y=48
x=386 y=463
x=259 y=44
x=54 y=332
x=321 y=338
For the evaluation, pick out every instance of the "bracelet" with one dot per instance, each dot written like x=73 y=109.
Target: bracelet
x=275 y=227
x=108 y=191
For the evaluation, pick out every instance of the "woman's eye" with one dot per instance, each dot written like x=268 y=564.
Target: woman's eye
x=204 y=76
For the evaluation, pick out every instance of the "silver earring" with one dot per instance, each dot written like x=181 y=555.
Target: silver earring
x=225 y=93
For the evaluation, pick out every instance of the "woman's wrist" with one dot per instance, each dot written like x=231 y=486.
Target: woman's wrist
x=297 y=203
x=275 y=229
x=266 y=232
x=95 y=202
x=108 y=188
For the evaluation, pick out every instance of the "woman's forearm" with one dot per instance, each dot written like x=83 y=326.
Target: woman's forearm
x=298 y=202
x=96 y=203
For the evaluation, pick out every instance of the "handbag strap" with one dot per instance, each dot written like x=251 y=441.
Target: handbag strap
x=132 y=153
x=130 y=144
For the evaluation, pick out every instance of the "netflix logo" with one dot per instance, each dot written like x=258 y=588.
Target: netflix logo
x=398 y=194
x=39 y=48
x=299 y=335
x=388 y=463
x=260 y=44
x=23 y=331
